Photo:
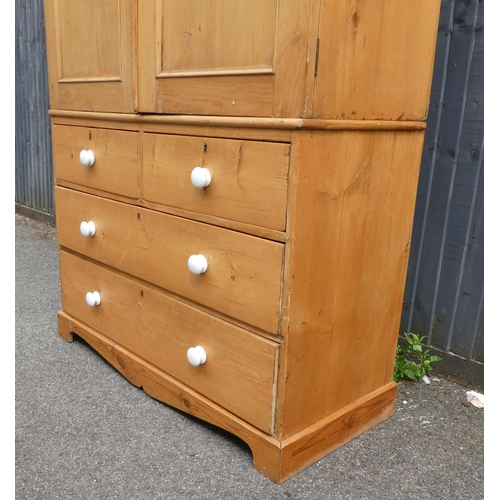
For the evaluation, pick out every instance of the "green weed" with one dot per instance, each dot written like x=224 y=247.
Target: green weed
x=412 y=361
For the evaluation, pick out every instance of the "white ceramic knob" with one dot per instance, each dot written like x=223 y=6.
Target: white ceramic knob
x=201 y=177
x=87 y=158
x=93 y=299
x=196 y=355
x=87 y=228
x=197 y=264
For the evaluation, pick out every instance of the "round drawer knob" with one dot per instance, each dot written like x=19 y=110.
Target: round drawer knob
x=197 y=264
x=87 y=228
x=87 y=158
x=201 y=177
x=93 y=299
x=196 y=355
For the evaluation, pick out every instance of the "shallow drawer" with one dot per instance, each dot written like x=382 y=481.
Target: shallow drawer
x=115 y=167
x=248 y=179
x=239 y=369
x=243 y=278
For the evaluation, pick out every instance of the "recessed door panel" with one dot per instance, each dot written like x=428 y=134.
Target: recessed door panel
x=219 y=37
x=89 y=40
x=91 y=54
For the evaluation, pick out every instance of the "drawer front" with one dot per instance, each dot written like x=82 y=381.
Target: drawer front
x=239 y=370
x=243 y=278
x=115 y=168
x=248 y=179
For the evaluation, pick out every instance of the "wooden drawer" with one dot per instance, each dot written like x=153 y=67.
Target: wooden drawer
x=240 y=367
x=243 y=279
x=115 y=168
x=248 y=178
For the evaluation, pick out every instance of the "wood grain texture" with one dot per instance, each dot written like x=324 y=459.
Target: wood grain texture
x=160 y=330
x=243 y=279
x=161 y=386
x=220 y=37
x=231 y=127
x=245 y=95
x=116 y=165
x=329 y=434
x=295 y=57
x=347 y=268
x=91 y=55
x=276 y=460
x=248 y=178
x=207 y=60
x=376 y=59
x=236 y=95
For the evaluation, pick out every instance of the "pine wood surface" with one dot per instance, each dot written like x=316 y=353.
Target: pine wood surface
x=244 y=32
x=352 y=205
x=353 y=59
x=230 y=127
x=275 y=459
x=248 y=178
x=91 y=49
x=232 y=89
x=116 y=165
x=160 y=330
x=243 y=279
x=332 y=432
x=376 y=59
x=161 y=386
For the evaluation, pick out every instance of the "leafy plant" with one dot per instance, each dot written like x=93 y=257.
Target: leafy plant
x=412 y=361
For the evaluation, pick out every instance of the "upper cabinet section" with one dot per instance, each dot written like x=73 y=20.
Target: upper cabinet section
x=91 y=54
x=335 y=59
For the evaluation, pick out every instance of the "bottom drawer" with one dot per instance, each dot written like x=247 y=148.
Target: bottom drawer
x=239 y=372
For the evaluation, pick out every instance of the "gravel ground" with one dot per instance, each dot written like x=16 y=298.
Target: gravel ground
x=84 y=432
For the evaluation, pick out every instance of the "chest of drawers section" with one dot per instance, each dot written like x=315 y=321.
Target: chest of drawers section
x=125 y=254
x=300 y=236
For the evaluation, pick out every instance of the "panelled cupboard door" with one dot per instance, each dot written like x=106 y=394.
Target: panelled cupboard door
x=91 y=54
x=223 y=57
x=342 y=59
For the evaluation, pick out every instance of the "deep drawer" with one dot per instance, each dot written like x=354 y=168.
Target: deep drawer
x=239 y=370
x=248 y=179
x=115 y=168
x=243 y=278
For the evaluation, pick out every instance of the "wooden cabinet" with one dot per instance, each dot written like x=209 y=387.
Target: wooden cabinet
x=342 y=59
x=235 y=188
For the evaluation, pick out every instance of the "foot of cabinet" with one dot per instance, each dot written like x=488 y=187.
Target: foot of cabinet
x=276 y=459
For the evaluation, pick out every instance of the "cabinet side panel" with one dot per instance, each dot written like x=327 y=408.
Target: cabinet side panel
x=348 y=258
x=376 y=59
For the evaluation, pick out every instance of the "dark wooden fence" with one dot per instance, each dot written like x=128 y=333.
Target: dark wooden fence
x=33 y=154
x=444 y=292
x=445 y=284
